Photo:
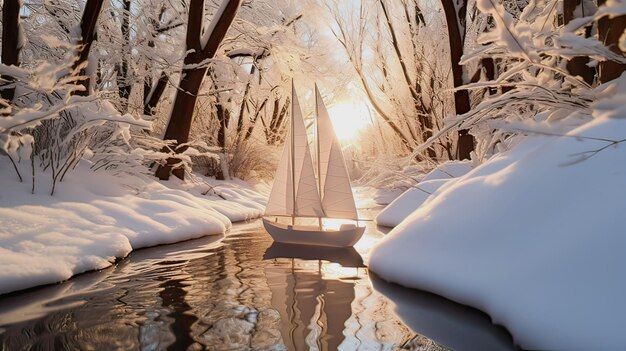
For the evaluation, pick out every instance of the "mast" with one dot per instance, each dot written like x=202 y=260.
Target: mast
x=319 y=164
x=293 y=157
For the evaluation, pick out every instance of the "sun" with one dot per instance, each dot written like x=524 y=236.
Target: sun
x=349 y=119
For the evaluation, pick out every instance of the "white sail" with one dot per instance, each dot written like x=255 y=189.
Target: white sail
x=308 y=201
x=337 y=198
x=295 y=174
x=280 y=202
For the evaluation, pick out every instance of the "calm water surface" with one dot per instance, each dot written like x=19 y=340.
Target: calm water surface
x=235 y=292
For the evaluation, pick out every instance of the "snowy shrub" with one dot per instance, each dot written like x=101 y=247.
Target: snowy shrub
x=249 y=159
x=51 y=125
x=137 y=155
x=385 y=174
x=44 y=95
x=540 y=94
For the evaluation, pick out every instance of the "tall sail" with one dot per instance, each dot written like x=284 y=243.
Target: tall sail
x=307 y=201
x=295 y=173
x=337 y=198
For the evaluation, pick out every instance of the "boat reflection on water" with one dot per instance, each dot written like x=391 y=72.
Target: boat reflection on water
x=300 y=290
x=449 y=324
x=326 y=301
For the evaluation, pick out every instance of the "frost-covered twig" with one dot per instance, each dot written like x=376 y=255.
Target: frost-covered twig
x=583 y=156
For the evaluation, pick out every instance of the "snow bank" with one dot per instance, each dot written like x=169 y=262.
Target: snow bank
x=94 y=218
x=408 y=202
x=414 y=197
x=534 y=237
x=386 y=196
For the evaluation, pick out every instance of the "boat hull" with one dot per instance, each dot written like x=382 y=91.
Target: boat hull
x=345 y=256
x=346 y=236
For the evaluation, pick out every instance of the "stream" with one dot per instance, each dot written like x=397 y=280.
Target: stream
x=240 y=291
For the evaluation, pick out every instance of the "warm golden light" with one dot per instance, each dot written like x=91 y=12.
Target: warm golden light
x=334 y=224
x=349 y=119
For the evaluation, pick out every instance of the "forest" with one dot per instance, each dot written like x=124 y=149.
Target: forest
x=134 y=85
x=487 y=133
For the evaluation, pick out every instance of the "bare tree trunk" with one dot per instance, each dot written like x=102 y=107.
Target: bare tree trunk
x=425 y=115
x=577 y=66
x=488 y=66
x=242 y=109
x=88 y=35
x=223 y=117
x=152 y=92
x=192 y=75
x=179 y=126
x=246 y=101
x=388 y=121
x=10 y=43
x=420 y=110
x=272 y=129
x=123 y=83
x=609 y=31
x=455 y=15
x=354 y=54
x=253 y=122
x=152 y=95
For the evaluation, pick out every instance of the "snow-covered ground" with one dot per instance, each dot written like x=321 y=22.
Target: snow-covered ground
x=386 y=196
x=94 y=218
x=534 y=237
x=414 y=197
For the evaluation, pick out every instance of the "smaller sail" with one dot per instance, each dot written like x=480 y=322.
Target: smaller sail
x=280 y=202
x=337 y=198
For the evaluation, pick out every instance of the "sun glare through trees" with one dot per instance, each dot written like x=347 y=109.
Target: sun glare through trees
x=350 y=119
x=312 y=174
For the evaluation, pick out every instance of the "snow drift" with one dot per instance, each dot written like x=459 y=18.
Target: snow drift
x=534 y=237
x=414 y=197
x=94 y=218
